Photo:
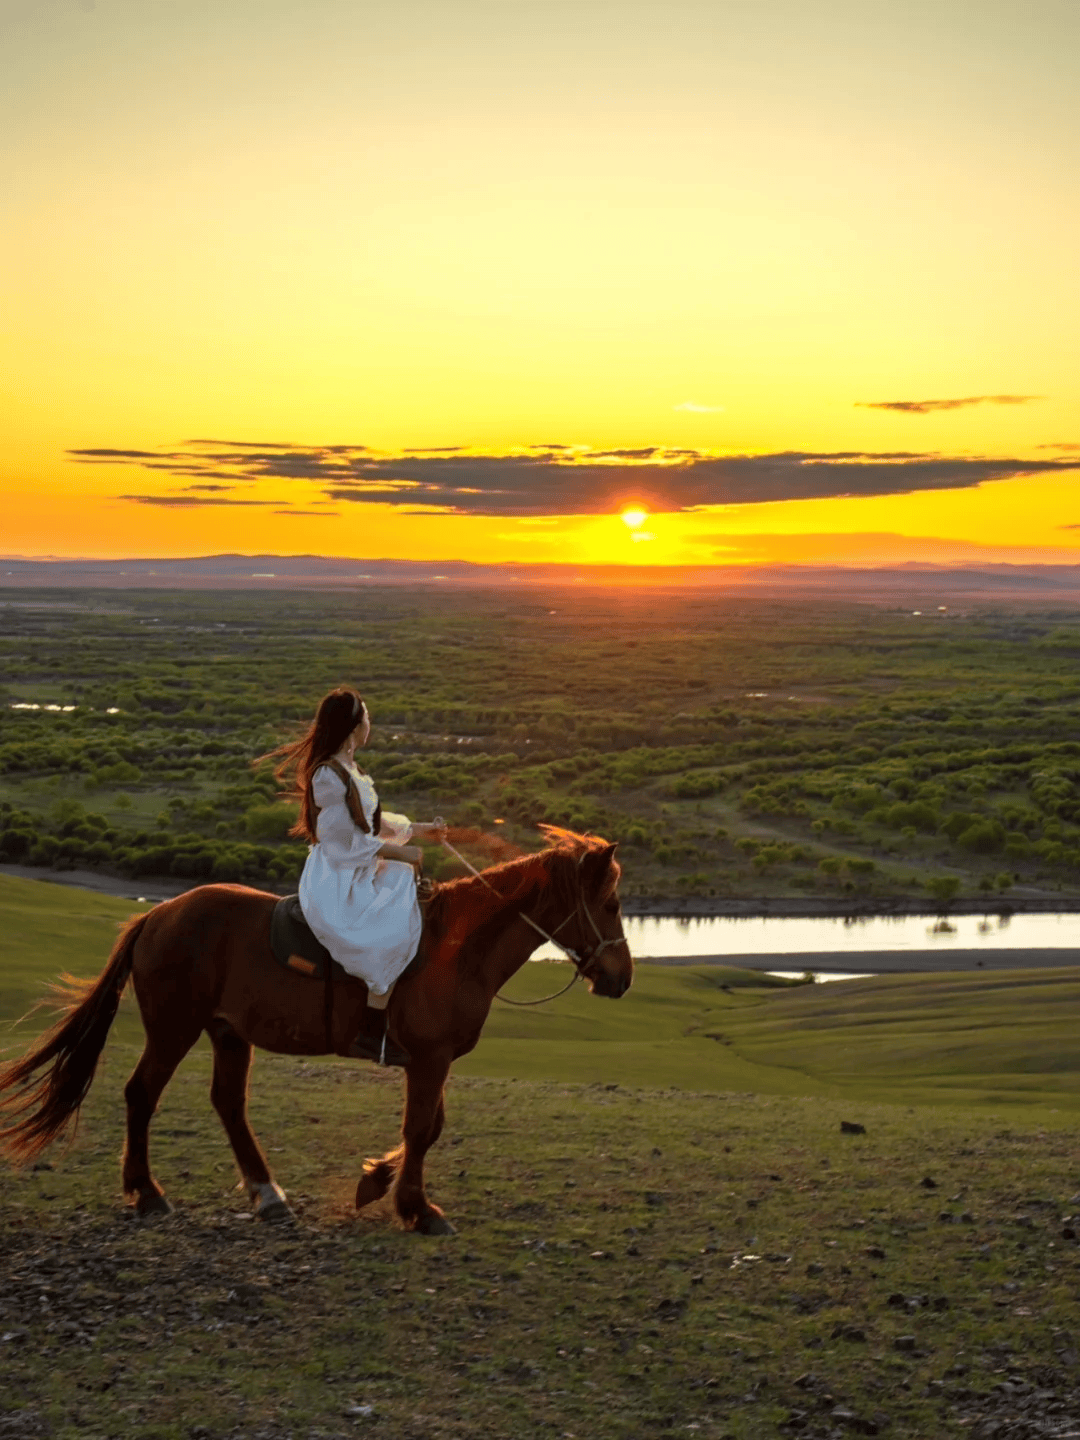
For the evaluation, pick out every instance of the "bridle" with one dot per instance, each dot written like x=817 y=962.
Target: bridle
x=584 y=966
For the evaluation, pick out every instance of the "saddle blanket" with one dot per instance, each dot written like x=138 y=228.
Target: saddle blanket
x=295 y=946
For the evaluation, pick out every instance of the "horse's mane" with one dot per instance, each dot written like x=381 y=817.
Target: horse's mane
x=470 y=900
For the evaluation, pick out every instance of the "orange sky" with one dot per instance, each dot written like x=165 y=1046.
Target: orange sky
x=736 y=231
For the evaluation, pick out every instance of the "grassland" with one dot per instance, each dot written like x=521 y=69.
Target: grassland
x=663 y=1228
x=864 y=756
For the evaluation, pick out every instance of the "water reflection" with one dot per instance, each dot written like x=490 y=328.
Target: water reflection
x=660 y=935
x=678 y=936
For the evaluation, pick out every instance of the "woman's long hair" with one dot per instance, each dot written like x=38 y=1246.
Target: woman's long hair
x=337 y=717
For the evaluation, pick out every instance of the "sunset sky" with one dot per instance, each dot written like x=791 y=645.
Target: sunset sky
x=794 y=280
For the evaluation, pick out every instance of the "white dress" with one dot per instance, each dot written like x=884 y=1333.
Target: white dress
x=363 y=909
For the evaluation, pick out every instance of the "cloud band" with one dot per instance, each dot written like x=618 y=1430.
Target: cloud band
x=558 y=481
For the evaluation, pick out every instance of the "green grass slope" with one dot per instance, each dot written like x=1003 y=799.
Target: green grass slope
x=654 y=1253
x=1001 y=1040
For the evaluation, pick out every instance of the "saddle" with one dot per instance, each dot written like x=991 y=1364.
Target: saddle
x=296 y=948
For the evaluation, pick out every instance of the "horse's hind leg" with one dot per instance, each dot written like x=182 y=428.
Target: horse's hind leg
x=228 y=1093
x=157 y=1064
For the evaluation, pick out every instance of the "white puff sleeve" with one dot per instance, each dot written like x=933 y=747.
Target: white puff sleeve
x=340 y=838
x=396 y=829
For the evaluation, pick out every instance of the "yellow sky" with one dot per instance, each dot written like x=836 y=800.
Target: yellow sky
x=499 y=225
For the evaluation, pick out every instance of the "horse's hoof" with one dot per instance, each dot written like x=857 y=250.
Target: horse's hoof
x=150 y=1205
x=274 y=1211
x=368 y=1191
x=434 y=1223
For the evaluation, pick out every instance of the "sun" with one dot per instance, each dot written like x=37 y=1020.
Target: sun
x=634 y=519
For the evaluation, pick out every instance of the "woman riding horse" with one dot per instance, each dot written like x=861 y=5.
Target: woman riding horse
x=202 y=963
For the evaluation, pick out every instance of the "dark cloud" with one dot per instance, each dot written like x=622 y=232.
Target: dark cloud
x=252 y=444
x=516 y=485
x=178 y=501
x=98 y=454
x=927 y=407
x=544 y=482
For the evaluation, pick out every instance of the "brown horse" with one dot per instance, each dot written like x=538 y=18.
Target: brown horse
x=202 y=962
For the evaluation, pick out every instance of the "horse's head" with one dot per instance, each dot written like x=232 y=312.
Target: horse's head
x=594 y=929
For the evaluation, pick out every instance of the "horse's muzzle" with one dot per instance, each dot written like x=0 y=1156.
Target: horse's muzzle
x=613 y=986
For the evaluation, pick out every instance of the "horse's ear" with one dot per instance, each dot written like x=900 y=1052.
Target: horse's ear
x=596 y=863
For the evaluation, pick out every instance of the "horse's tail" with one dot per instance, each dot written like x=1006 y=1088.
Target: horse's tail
x=42 y=1109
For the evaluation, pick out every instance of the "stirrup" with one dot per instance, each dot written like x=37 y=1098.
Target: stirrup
x=382 y=1052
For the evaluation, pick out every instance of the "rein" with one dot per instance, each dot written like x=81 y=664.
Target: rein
x=579 y=964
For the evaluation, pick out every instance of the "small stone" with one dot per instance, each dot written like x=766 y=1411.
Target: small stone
x=874 y=1252
x=849 y=1332
x=928 y=1182
x=967 y=1218
x=905 y=1343
x=814 y=1268
x=946 y=1217
x=360 y=1412
x=852 y=1127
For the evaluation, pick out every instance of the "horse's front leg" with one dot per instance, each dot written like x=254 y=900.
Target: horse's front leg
x=422 y=1126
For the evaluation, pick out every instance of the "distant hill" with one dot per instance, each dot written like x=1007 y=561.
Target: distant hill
x=917 y=584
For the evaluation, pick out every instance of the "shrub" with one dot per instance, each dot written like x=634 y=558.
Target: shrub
x=955 y=824
x=270 y=822
x=944 y=888
x=15 y=842
x=983 y=838
x=119 y=774
x=858 y=799
x=696 y=787
x=912 y=813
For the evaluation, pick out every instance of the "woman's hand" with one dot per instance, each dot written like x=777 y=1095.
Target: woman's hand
x=433 y=830
x=408 y=854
